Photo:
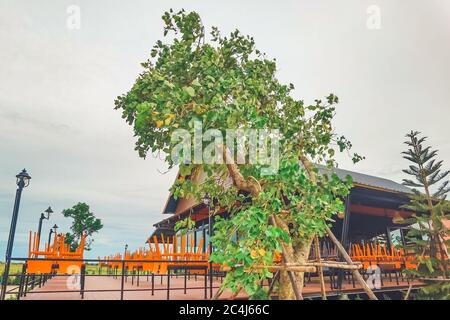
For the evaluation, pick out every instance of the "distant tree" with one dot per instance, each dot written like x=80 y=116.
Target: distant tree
x=428 y=233
x=84 y=221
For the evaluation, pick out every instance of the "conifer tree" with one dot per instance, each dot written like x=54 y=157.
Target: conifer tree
x=428 y=232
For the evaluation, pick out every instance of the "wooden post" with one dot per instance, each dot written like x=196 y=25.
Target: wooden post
x=234 y=295
x=408 y=292
x=272 y=282
x=344 y=237
x=347 y=258
x=320 y=269
x=291 y=267
x=218 y=292
x=297 y=292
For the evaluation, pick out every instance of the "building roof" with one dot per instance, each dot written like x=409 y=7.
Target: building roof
x=359 y=180
x=369 y=181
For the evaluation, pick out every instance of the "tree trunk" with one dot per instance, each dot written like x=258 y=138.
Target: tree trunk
x=285 y=291
x=300 y=256
x=300 y=251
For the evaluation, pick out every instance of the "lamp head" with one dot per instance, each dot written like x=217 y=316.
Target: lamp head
x=23 y=179
x=207 y=199
x=48 y=212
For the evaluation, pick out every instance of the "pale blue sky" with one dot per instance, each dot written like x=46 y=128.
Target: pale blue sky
x=57 y=88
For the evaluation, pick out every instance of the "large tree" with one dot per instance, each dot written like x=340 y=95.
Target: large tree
x=224 y=82
x=84 y=222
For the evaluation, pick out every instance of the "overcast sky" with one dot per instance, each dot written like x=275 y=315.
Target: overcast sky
x=58 y=85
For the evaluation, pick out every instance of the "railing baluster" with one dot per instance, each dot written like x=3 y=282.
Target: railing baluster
x=123 y=280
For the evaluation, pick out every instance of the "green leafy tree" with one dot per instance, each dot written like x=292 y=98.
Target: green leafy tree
x=224 y=82
x=84 y=222
x=427 y=234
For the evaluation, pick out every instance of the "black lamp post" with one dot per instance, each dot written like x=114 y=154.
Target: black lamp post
x=207 y=203
x=46 y=217
x=50 y=234
x=23 y=180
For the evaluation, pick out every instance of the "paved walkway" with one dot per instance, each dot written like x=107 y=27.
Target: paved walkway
x=52 y=289
x=195 y=289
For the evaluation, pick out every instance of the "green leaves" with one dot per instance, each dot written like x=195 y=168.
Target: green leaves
x=184 y=225
x=190 y=91
x=426 y=171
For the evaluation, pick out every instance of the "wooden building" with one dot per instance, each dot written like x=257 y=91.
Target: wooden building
x=372 y=215
x=373 y=209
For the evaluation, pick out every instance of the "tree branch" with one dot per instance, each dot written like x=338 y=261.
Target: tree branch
x=250 y=185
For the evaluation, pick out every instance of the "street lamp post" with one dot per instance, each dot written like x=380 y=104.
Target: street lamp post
x=50 y=234
x=46 y=217
x=23 y=180
x=124 y=257
x=207 y=202
x=49 y=237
